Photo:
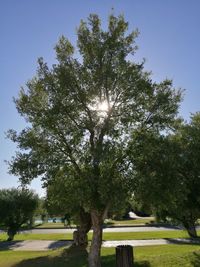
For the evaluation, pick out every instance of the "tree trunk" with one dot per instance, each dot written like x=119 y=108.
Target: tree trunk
x=80 y=235
x=95 y=249
x=11 y=233
x=191 y=229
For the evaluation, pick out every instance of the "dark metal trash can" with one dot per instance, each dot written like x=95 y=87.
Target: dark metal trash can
x=124 y=256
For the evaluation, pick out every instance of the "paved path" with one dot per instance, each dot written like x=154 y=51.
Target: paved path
x=109 y=229
x=44 y=245
x=149 y=242
x=34 y=245
x=139 y=229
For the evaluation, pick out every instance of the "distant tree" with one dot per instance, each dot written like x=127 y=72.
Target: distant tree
x=17 y=207
x=82 y=113
x=168 y=173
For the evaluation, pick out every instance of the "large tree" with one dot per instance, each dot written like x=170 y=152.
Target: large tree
x=168 y=172
x=17 y=207
x=81 y=114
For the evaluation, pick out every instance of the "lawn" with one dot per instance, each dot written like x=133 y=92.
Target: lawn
x=152 y=256
x=107 y=223
x=131 y=222
x=106 y=236
x=145 y=235
x=51 y=225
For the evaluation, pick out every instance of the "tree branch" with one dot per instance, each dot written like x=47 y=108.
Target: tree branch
x=69 y=151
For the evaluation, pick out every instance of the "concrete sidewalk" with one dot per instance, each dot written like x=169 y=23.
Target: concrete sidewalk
x=150 y=242
x=34 y=245
x=43 y=245
x=108 y=229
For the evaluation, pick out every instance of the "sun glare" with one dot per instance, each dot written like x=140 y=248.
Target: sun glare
x=103 y=106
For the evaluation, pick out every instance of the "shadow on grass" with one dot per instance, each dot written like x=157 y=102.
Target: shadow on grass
x=195 y=261
x=183 y=241
x=149 y=224
x=71 y=257
x=110 y=261
x=108 y=224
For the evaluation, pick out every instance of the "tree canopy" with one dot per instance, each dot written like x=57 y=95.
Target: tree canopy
x=168 y=172
x=82 y=113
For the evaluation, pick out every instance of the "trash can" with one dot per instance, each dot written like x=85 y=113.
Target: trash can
x=124 y=256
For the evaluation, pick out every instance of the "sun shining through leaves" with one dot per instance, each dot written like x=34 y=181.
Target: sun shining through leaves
x=102 y=108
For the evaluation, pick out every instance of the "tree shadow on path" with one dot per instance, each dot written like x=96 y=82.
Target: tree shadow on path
x=9 y=245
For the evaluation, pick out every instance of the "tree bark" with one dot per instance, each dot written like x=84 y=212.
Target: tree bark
x=95 y=249
x=191 y=229
x=11 y=233
x=80 y=235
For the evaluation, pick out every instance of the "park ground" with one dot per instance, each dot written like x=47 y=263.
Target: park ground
x=152 y=256
x=172 y=255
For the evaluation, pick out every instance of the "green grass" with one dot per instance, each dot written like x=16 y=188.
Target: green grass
x=169 y=255
x=152 y=256
x=108 y=222
x=159 y=256
x=145 y=235
x=51 y=225
x=131 y=222
x=106 y=236
x=19 y=237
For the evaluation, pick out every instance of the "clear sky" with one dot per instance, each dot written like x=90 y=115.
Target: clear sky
x=169 y=40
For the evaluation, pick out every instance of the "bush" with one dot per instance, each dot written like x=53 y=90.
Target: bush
x=17 y=208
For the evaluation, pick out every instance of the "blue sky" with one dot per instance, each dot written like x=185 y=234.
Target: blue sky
x=169 y=40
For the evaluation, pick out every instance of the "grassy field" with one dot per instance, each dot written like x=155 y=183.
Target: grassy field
x=131 y=221
x=149 y=256
x=51 y=225
x=106 y=236
x=108 y=222
x=153 y=256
